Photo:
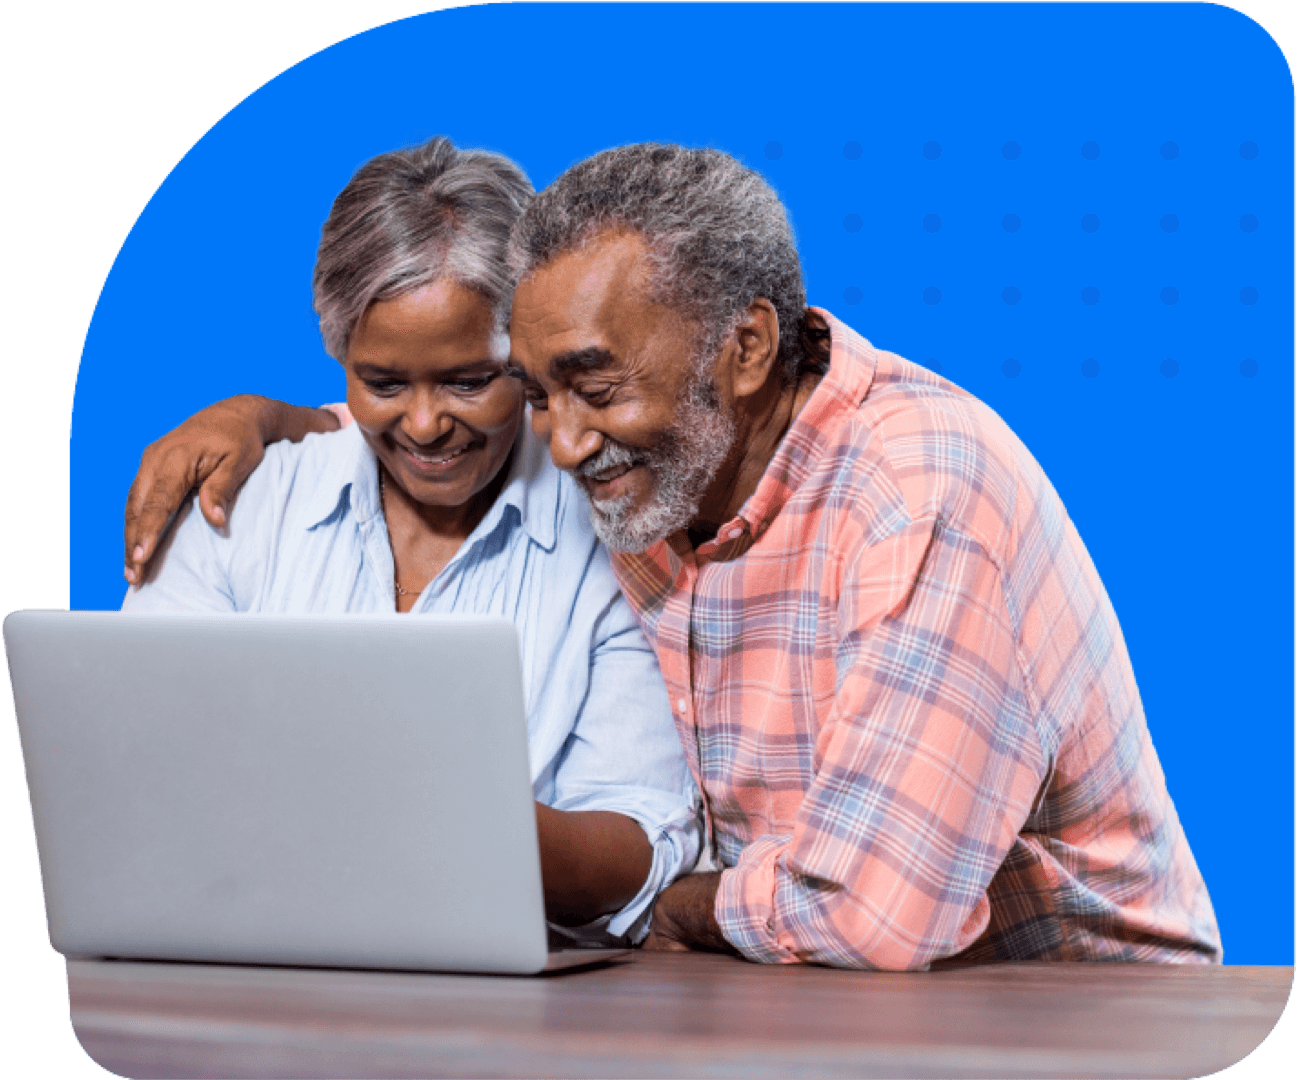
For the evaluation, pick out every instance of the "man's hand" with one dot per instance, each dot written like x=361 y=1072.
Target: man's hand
x=684 y=919
x=214 y=450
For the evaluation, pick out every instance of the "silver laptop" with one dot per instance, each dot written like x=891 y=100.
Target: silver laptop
x=343 y=792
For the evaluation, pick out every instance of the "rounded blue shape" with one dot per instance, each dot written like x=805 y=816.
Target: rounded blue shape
x=1248 y=367
x=1091 y=295
x=1248 y=223
x=774 y=151
x=1249 y=150
x=1169 y=223
x=1169 y=151
x=852 y=295
x=1090 y=223
x=1169 y=368
x=1011 y=223
x=932 y=223
x=1010 y=150
x=1091 y=150
x=1249 y=296
x=1010 y=295
x=852 y=223
x=932 y=295
x=1090 y=368
x=1169 y=295
x=1010 y=367
x=852 y=150
x=934 y=365
x=932 y=150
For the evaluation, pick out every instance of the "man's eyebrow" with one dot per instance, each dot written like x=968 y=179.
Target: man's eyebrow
x=592 y=359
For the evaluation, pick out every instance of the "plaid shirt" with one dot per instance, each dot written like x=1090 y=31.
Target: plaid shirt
x=904 y=692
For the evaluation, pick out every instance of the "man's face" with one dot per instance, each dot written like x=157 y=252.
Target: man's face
x=616 y=391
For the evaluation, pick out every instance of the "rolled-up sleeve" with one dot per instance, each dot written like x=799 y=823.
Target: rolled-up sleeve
x=926 y=770
x=624 y=756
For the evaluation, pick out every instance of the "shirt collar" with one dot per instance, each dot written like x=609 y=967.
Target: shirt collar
x=839 y=394
x=351 y=481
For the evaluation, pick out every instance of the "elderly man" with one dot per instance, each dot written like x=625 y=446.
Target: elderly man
x=898 y=679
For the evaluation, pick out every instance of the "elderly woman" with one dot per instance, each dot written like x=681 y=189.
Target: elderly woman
x=438 y=500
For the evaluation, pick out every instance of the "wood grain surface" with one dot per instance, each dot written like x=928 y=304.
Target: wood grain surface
x=673 y=1015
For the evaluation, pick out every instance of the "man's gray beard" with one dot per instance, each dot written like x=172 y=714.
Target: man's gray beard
x=681 y=466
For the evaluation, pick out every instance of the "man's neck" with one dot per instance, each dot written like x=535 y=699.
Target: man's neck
x=761 y=424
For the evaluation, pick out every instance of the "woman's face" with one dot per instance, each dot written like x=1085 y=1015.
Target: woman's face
x=426 y=386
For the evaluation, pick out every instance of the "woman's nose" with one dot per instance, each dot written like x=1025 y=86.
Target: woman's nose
x=426 y=421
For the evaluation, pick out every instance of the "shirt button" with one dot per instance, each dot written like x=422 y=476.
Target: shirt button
x=734 y=534
x=681 y=705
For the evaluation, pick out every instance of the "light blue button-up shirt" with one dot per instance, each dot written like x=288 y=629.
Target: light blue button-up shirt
x=307 y=535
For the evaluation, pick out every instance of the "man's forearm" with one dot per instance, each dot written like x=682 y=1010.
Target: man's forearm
x=593 y=862
x=279 y=420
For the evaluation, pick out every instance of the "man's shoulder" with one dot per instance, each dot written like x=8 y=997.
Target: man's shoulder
x=935 y=450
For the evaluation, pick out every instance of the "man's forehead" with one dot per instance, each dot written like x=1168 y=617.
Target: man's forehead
x=593 y=298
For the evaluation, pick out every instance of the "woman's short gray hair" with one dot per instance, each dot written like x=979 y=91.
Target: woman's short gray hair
x=409 y=218
x=718 y=235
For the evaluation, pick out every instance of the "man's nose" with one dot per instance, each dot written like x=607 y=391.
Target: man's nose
x=426 y=420
x=571 y=439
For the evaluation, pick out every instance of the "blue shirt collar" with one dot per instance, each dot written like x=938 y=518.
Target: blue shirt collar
x=351 y=482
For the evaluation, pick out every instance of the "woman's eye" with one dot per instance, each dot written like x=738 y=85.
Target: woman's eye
x=383 y=387
x=470 y=386
x=535 y=398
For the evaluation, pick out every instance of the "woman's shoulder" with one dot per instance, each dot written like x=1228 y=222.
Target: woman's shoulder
x=296 y=477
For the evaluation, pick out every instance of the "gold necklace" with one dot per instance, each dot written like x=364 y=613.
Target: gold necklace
x=395 y=583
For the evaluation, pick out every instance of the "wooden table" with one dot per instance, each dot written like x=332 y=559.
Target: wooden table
x=670 y=1015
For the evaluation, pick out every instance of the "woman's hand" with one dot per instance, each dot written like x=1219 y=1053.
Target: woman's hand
x=214 y=450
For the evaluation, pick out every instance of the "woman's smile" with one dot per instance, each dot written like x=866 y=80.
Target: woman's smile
x=429 y=462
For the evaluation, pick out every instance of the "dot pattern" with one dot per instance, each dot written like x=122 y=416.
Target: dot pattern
x=1011 y=223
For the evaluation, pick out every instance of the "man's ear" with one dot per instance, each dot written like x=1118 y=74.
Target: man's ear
x=754 y=352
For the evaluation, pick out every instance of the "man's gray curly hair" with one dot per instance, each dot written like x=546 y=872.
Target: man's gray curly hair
x=409 y=218
x=718 y=235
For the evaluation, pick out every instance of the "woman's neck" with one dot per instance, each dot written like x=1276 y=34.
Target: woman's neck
x=425 y=538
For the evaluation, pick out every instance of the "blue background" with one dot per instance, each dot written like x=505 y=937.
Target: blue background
x=900 y=138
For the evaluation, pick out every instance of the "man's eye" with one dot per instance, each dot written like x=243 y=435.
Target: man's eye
x=595 y=395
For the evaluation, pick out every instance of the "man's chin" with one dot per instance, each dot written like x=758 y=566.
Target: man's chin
x=625 y=529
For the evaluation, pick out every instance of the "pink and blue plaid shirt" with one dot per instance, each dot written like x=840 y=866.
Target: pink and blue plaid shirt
x=904 y=692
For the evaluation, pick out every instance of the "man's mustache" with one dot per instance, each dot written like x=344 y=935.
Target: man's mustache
x=613 y=455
